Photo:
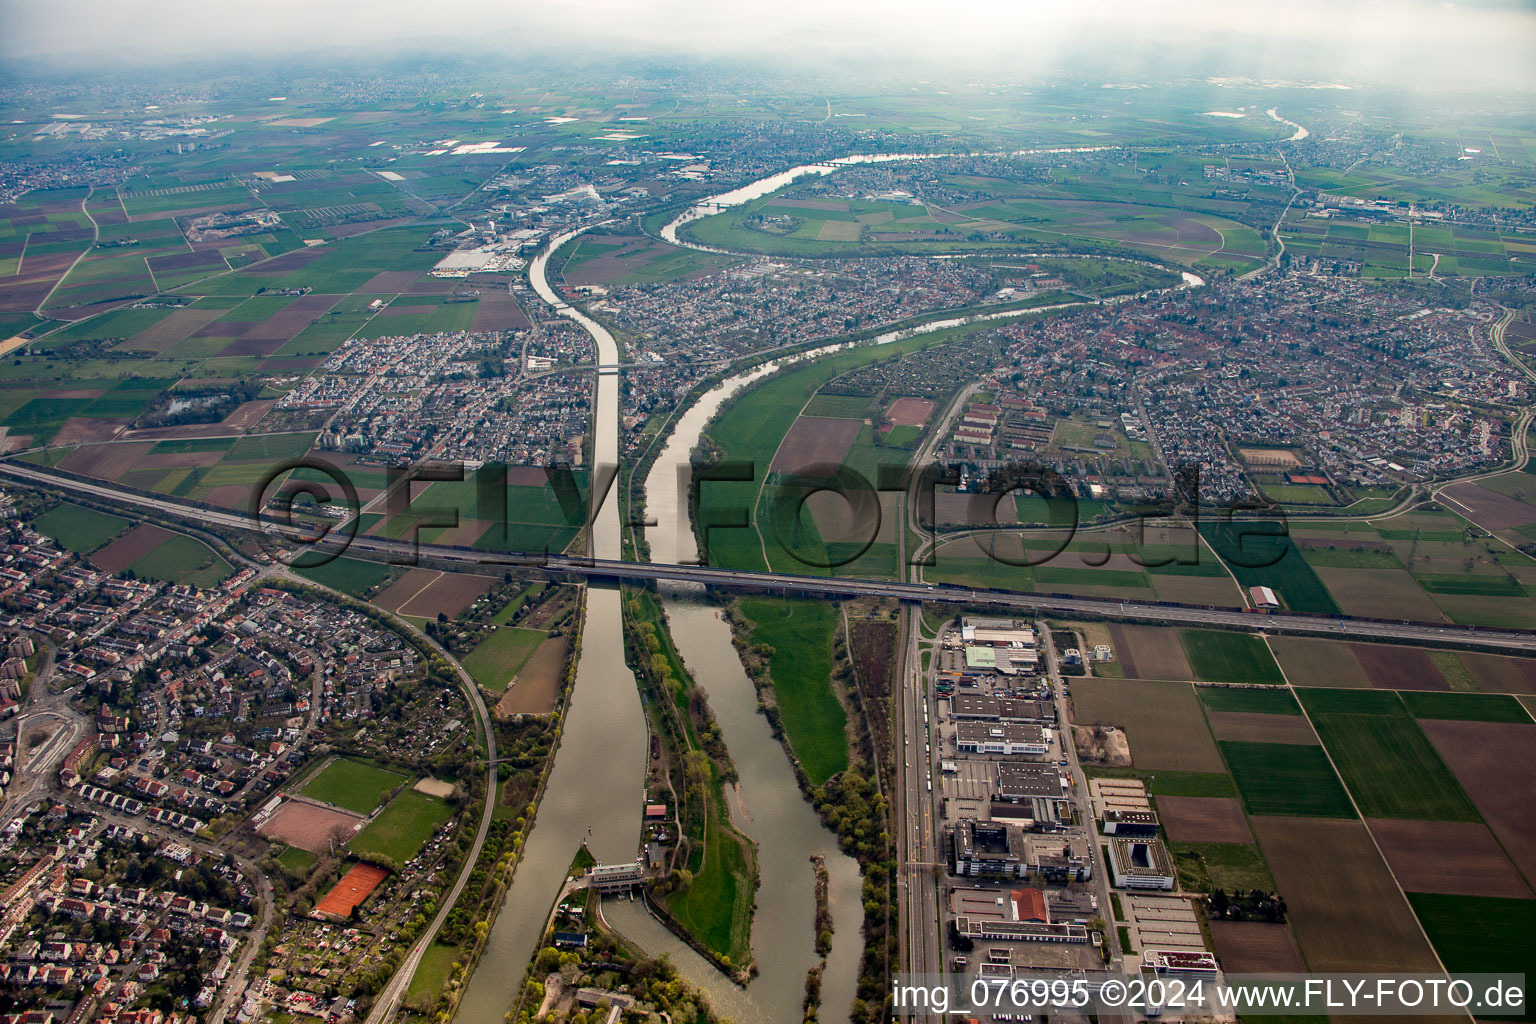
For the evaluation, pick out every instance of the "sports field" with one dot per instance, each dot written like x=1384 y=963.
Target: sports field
x=352 y=891
x=401 y=828
x=353 y=784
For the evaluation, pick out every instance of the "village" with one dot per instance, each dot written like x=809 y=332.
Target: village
x=173 y=787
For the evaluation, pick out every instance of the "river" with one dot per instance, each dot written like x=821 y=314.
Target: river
x=766 y=804
x=597 y=784
x=595 y=788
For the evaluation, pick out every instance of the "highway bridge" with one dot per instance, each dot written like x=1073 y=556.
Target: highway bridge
x=408 y=552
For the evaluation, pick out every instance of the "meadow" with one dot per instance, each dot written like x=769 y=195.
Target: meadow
x=799 y=632
x=77 y=529
x=501 y=655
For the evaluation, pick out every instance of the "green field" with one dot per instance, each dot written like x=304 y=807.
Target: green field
x=1480 y=933
x=1287 y=779
x=182 y=559
x=352 y=784
x=501 y=655
x=800 y=634
x=81 y=530
x=1387 y=761
x=1465 y=707
x=1220 y=656
x=348 y=575
x=1268 y=701
x=401 y=828
x=1260 y=555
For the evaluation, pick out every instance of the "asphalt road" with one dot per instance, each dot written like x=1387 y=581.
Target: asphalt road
x=1343 y=627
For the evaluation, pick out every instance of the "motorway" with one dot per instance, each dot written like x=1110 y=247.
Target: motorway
x=1343 y=627
x=921 y=941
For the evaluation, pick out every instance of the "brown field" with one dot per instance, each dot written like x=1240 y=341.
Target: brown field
x=194 y=259
x=974 y=509
x=358 y=227
x=405 y=588
x=1308 y=662
x=464 y=535
x=498 y=311
x=1253 y=947
x=1150 y=652
x=88 y=430
x=1379 y=594
x=1249 y=727
x=1457 y=857
x=1399 y=668
x=386 y=282
x=1204 y=819
x=1498 y=674
x=814 y=440
x=130 y=547
x=1347 y=912
x=1489 y=509
x=449 y=594
x=38 y=273
x=909 y=412
x=309 y=826
x=1495 y=762
x=171 y=460
x=1163 y=721
x=536 y=691
x=172 y=330
x=288 y=262
x=106 y=461
x=1207 y=591
x=527 y=476
x=351 y=891
x=247 y=414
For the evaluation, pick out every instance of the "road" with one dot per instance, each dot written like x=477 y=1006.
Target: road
x=921 y=941
x=1080 y=794
x=1344 y=627
x=388 y=1000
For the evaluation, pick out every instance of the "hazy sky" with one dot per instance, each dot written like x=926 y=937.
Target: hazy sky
x=1401 y=40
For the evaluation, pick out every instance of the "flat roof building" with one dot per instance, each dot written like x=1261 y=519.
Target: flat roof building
x=1140 y=864
x=1006 y=738
x=1001 y=709
x=1042 y=788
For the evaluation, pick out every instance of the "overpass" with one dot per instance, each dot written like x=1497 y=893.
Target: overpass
x=407 y=552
